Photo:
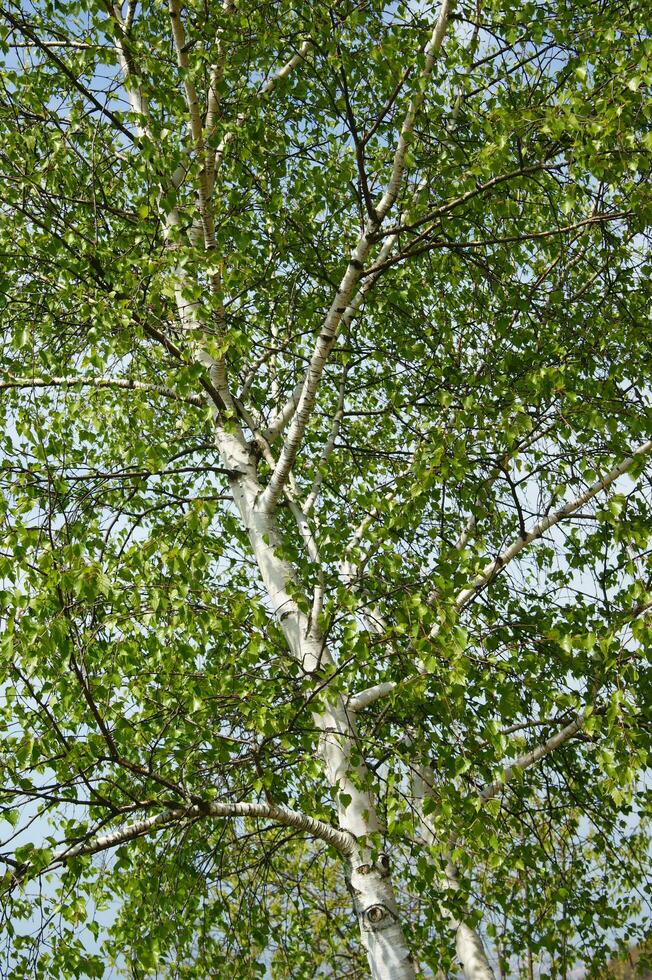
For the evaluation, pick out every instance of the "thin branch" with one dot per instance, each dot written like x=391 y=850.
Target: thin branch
x=100 y=382
x=494 y=567
x=306 y=533
x=405 y=138
x=468 y=196
x=279 y=422
x=69 y=73
x=411 y=252
x=388 y=105
x=137 y=99
x=77 y=45
x=213 y=99
x=532 y=757
x=359 y=148
x=195 y=121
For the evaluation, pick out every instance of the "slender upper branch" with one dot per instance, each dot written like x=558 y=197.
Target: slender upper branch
x=195 y=121
x=407 y=130
x=213 y=98
x=137 y=98
x=328 y=448
x=492 y=569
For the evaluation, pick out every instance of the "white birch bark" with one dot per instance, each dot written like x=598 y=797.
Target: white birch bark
x=471 y=954
x=468 y=944
x=369 y=880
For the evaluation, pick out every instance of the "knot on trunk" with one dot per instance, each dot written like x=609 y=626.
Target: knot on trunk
x=375 y=918
x=380 y=867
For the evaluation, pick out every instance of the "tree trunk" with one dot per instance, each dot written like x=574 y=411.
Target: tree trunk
x=468 y=944
x=370 y=883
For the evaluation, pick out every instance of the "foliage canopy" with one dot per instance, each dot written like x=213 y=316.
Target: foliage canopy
x=325 y=486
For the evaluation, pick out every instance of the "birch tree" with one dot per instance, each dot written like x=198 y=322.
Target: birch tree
x=325 y=486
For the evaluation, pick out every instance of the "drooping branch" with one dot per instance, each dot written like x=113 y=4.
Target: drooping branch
x=284 y=816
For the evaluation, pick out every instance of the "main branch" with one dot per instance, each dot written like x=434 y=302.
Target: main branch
x=344 y=297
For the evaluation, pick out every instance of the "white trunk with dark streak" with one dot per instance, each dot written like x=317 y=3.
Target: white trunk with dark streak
x=471 y=954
